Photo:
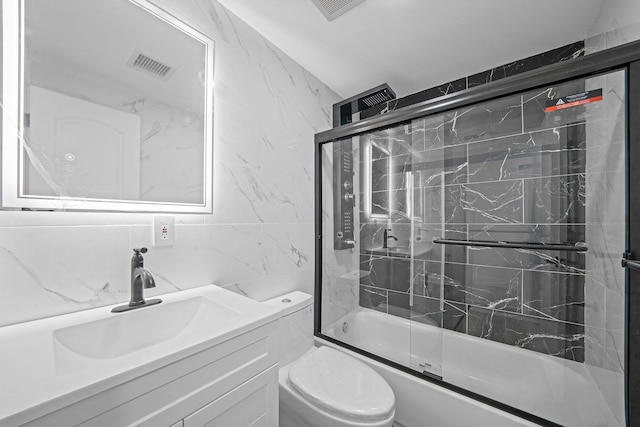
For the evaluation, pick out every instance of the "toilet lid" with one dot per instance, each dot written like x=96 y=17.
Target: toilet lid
x=342 y=385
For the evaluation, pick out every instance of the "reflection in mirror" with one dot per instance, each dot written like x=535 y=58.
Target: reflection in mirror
x=379 y=181
x=117 y=104
x=393 y=179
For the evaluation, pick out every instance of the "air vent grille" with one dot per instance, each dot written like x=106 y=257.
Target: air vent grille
x=150 y=66
x=332 y=9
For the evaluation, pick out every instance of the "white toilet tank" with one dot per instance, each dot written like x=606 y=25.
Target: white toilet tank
x=295 y=325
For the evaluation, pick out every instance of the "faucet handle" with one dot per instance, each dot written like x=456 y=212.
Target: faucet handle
x=140 y=250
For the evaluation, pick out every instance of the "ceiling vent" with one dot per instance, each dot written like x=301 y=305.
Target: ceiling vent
x=150 y=66
x=331 y=9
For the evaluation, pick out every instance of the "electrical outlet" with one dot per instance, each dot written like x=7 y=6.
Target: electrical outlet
x=164 y=230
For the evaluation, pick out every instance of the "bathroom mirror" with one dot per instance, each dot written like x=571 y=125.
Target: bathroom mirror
x=107 y=105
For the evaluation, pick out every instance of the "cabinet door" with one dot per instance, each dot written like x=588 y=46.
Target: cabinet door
x=254 y=403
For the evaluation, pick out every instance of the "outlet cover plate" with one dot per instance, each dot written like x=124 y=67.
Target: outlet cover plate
x=164 y=230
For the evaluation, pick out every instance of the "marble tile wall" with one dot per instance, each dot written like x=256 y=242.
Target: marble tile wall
x=507 y=170
x=340 y=268
x=259 y=240
x=618 y=22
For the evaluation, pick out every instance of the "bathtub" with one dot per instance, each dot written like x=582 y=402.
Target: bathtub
x=556 y=389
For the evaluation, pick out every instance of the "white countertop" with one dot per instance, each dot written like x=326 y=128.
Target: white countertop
x=38 y=375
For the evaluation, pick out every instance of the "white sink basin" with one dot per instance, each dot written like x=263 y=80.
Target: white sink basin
x=59 y=360
x=124 y=333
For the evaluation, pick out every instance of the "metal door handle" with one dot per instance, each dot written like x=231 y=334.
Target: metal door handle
x=628 y=263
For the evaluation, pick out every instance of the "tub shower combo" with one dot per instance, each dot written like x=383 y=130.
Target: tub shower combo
x=476 y=241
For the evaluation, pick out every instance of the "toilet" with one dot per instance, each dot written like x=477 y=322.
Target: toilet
x=321 y=386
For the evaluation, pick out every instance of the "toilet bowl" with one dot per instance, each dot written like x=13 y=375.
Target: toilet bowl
x=321 y=386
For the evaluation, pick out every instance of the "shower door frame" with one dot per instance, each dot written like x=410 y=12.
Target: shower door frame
x=625 y=57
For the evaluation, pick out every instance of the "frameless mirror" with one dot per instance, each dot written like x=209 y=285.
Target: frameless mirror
x=107 y=106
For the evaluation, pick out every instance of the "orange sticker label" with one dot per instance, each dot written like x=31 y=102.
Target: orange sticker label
x=574 y=100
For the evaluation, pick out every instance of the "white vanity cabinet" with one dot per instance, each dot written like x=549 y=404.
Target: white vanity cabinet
x=231 y=384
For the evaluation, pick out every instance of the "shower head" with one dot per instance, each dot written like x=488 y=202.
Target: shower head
x=344 y=110
x=378 y=97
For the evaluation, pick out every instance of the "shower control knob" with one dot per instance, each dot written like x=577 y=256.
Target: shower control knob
x=347 y=185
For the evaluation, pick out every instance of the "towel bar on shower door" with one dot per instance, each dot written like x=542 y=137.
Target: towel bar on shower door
x=578 y=247
x=628 y=263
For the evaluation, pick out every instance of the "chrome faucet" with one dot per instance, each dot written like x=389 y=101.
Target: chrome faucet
x=386 y=237
x=140 y=279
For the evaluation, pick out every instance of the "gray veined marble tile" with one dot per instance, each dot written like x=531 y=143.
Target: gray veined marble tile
x=373 y=298
x=418 y=134
x=380 y=174
x=495 y=288
x=565 y=340
x=380 y=203
x=428 y=133
x=452 y=253
x=449 y=162
x=558 y=261
x=385 y=272
x=420 y=284
x=396 y=140
x=454 y=317
x=554 y=296
x=492 y=202
x=424 y=310
x=400 y=200
x=484 y=121
x=432 y=277
x=400 y=165
x=431 y=204
x=371 y=235
x=454 y=206
x=427 y=311
x=555 y=200
x=558 y=151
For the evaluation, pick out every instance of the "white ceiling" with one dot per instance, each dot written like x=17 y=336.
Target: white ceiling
x=414 y=44
x=76 y=38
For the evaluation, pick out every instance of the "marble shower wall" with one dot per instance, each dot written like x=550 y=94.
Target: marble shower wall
x=259 y=240
x=617 y=23
x=340 y=269
x=507 y=170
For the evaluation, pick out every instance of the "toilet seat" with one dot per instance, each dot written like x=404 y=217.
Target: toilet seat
x=341 y=385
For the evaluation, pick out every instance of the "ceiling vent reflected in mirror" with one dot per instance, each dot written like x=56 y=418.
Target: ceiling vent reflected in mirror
x=150 y=66
x=331 y=9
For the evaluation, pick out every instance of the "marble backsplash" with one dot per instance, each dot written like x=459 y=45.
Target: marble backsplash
x=258 y=241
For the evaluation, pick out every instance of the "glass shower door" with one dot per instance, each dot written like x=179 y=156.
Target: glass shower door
x=481 y=247
x=370 y=284
x=521 y=227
